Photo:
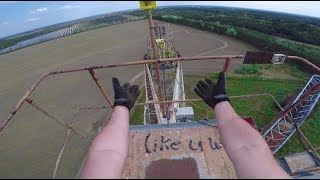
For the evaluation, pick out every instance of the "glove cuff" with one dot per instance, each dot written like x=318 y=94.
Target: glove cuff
x=121 y=102
x=220 y=98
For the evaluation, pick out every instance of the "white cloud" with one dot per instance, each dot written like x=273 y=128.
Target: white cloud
x=4 y=23
x=39 y=10
x=69 y=7
x=32 y=19
x=42 y=9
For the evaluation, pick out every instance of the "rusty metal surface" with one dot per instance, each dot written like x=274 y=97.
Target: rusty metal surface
x=154 y=50
x=226 y=64
x=258 y=57
x=297 y=58
x=185 y=168
x=200 y=143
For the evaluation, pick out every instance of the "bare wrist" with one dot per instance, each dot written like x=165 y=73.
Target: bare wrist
x=221 y=104
x=121 y=109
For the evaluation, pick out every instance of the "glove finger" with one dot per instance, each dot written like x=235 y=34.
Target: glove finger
x=130 y=88
x=222 y=80
x=209 y=82
x=137 y=92
x=125 y=86
x=198 y=92
x=115 y=84
x=200 y=87
x=135 y=88
x=204 y=84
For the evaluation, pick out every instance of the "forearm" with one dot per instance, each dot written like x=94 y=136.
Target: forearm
x=109 y=149
x=245 y=146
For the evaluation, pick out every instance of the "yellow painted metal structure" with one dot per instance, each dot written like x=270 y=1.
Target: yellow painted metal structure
x=160 y=43
x=144 y=5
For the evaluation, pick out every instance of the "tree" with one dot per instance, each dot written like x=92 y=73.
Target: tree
x=231 y=32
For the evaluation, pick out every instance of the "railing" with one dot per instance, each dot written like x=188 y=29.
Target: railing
x=92 y=73
x=91 y=70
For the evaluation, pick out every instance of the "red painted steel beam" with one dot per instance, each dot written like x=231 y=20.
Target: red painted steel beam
x=226 y=64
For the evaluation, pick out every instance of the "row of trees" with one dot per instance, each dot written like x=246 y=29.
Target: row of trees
x=262 y=41
x=298 y=28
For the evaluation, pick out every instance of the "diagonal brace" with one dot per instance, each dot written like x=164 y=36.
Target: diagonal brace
x=50 y=115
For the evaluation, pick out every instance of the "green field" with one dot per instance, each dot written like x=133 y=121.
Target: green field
x=31 y=141
x=262 y=109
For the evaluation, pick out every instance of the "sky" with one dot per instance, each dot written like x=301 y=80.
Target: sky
x=19 y=16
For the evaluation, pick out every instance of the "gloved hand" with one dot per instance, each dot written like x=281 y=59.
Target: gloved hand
x=125 y=95
x=212 y=93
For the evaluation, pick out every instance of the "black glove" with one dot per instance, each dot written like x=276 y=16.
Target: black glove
x=125 y=95
x=212 y=93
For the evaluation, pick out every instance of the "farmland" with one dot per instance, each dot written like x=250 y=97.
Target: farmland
x=57 y=31
x=31 y=142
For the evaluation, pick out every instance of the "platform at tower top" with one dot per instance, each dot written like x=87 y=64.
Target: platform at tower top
x=180 y=150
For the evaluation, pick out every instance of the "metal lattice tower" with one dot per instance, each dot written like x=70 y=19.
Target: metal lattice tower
x=171 y=78
x=297 y=111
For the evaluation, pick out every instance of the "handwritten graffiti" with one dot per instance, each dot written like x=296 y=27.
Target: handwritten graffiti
x=168 y=144
x=199 y=146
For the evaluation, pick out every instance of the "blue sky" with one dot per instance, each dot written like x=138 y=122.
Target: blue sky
x=19 y=16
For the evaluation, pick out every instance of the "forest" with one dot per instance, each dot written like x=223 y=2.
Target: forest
x=269 y=31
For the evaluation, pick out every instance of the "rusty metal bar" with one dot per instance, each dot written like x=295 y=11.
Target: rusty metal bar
x=104 y=93
x=60 y=154
x=152 y=35
x=64 y=144
x=195 y=58
x=139 y=62
x=21 y=101
x=154 y=50
x=305 y=62
x=33 y=87
x=314 y=88
x=256 y=95
x=98 y=107
x=191 y=100
x=275 y=119
x=304 y=137
x=154 y=95
x=31 y=102
x=226 y=64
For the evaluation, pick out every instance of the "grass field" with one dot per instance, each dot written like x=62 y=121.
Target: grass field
x=31 y=142
x=279 y=81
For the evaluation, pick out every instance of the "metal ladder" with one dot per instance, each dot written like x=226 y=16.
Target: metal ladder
x=298 y=110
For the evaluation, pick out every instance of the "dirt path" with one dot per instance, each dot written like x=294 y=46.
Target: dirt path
x=225 y=44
